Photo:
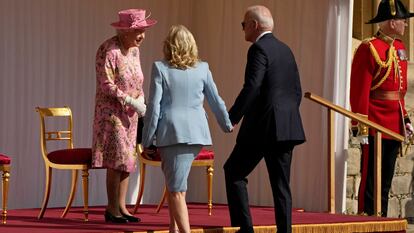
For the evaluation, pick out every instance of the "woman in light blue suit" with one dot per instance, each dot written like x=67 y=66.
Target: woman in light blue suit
x=176 y=121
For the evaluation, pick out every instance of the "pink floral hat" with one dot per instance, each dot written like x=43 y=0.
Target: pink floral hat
x=133 y=19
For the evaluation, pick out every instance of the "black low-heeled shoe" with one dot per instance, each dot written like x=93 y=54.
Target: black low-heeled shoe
x=131 y=218
x=110 y=218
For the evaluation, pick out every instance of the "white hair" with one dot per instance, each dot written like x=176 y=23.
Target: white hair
x=262 y=15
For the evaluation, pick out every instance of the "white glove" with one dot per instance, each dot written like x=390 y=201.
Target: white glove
x=363 y=139
x=409 y=130
x=137 y=104
x=360 y=132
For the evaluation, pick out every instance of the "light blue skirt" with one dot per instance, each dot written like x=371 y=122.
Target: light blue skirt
x=176 y=163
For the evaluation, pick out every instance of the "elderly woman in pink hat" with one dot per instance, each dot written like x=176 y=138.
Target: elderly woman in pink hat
x=119 y=102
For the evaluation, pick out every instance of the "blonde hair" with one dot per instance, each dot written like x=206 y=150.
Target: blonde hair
x=180 y=48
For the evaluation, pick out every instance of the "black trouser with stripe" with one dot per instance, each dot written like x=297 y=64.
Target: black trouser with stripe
x=390 y=149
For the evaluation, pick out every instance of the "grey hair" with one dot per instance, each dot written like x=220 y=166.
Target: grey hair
x=262 y=15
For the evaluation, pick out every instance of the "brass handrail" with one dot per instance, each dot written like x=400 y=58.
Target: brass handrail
x=331 y=153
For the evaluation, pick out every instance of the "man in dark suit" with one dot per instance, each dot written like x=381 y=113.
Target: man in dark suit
x=272 y=126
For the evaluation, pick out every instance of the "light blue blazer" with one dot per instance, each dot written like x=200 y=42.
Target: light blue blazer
x=175 y=112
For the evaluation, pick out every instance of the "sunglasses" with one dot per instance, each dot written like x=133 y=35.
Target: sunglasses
x=243 y=24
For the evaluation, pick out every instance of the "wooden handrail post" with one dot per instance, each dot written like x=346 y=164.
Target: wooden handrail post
x=377 y=173
x=331 y=161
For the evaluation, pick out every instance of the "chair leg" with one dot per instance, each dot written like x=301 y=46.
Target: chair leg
x=164 y=196
x=85 y=185
x=48 y=183
x=72 y=192
x=141 y=186
x=210 y=171
x=6 y=176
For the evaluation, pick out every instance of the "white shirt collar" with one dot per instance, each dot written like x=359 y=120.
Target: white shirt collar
x=261 y=35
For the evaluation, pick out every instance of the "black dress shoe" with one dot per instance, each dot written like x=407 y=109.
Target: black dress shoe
x=131 y=218
x=110 y=218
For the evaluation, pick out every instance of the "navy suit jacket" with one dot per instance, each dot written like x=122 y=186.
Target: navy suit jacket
x=270 y=98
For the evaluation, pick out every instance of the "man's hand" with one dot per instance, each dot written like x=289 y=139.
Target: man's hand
x=363 y=139
x=150 y=152
x=360 y=132
x=409 y=130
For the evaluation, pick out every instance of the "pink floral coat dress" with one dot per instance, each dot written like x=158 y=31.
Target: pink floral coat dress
x=115 y=124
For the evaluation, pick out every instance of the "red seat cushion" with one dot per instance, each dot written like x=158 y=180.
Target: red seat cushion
x=203 y=155
x=71 y=156
x=4 y=159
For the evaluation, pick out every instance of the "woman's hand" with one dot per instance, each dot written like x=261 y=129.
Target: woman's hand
x=137 y=104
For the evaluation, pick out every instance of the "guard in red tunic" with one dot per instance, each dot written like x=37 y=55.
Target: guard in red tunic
x=378 y=87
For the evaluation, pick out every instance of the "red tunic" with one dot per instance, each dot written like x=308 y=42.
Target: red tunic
x=389 y=113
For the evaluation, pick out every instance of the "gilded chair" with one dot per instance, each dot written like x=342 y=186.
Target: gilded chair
x=5 y=168
x=204 y=159
x=68 y=158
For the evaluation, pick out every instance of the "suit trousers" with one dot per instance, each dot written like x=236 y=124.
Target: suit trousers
x=390 y=149
x=240 y=164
